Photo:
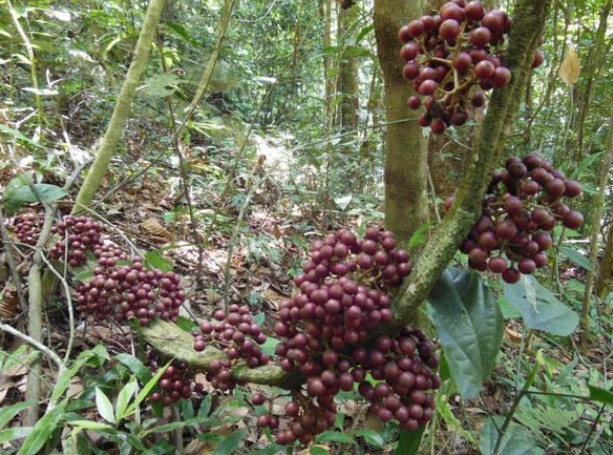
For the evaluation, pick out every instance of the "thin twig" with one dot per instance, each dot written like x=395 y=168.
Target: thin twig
x=233 y=242
x=71 y=319
x=593 y=429
x=41 y=347
x=183 y=171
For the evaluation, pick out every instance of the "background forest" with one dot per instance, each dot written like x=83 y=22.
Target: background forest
x=210 y=151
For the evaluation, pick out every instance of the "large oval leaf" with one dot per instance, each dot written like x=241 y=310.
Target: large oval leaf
x=18 y=192
x=515 y=441
x=469 y=325
x=410 y=441
x=539 y=308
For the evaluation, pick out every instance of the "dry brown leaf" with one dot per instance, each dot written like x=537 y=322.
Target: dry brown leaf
x=154 y=227
x=513 y=335
x=276 y=232
x=571 y=67
x=9 y=302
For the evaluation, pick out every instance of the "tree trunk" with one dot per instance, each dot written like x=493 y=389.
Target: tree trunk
x=122 y=108
x=604 y=284
x=596 y=221
x=325 y=11
x=595 y=61
x=348 y=78
x=406 y=153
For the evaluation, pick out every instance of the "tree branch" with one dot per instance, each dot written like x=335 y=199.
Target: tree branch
x=170 y=340
x=529 y=22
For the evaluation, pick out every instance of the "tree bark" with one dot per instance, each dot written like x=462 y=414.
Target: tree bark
x=604 y=284
x=596 y=220
x=326 y=14
x=595 y=62
x=122 y=108
x=406 y=153
x=348 y=78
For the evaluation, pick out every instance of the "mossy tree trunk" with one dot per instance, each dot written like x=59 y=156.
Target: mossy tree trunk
x=406 y=153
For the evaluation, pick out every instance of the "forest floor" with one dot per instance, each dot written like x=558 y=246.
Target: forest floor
x=252 y=247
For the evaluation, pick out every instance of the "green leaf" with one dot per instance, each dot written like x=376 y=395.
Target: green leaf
x=105 y=408
x=175 y=425
x=205 y=406
x=508 y=310
x=187 y=325
x=365 y=31
x=83 y=276
x=373 y=438
x=42 y=431
x=155 y=260
x=18 y=192
x=161 y=85
x=124 y=397
x=13 y=433
x=7 y=413
x=601 y=395
x=576 y=257
x=90 y=425
x=410 y=441
x=136 y=366
x=17 y=135
x=318 y=450
x=356 y=51
x=259 y=318
x=419 y=236
x=343 y=202
x=469 y=325
x=230 y=443
x=516 y=440
x=144 y=393
x=269 y=345
x=539 y=308
x=335 y=436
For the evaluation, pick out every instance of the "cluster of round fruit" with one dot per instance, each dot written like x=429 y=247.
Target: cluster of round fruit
x=130 y=291
x=341 y=294
x=452 y=57
x=402 y=365
x=238 y=336
x=341 y=300
x=524 y=203
x=27 y=227
x=374 y=258
x=81 y=234
x=175 y=384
